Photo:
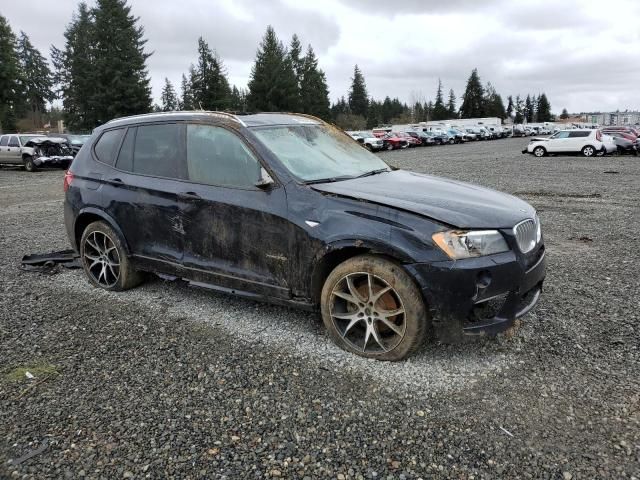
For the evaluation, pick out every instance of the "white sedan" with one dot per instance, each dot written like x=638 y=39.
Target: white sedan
x=585 y=141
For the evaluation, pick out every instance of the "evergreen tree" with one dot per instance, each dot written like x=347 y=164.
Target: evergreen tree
x=493 y=105
x=169 y=97
x=374 y=116
x=121 y=80
x=238 y=99
x=74 y=74
x=37 y=80
x=314 y=92
x=528 y=109
x=9 y=77
x=509 y=106
x=295 y=56
x=358 y=96
x=417 y=112
x=473 y=98
x=273 y=83
x=186 y=99
x=519 y=109
x=451 y=105
x=565 y=114
x=428 y=111
x=339 y=108
x=209 y=85
x=544 y=109
x=439 y=111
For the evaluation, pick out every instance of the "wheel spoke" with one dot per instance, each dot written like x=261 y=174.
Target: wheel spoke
x=115 y=277
x=391 y=325
x=346 y=296
x=370 y=287
x=391 y=313
x=376 y=336
x=353 y=290
x=379 y=293
x=93 y=245
x=350 y=326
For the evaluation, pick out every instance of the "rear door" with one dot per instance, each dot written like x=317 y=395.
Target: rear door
x=577 y=140
x=144 y=192
x=236 y=234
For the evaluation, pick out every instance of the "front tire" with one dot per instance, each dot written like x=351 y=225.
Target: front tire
x=371 y=307
x=29 y=166
x=105 y=260
x=539 y=151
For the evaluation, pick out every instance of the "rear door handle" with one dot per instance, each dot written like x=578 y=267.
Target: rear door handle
x=115 y=180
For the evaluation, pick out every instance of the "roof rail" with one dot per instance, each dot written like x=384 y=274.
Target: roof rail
x=179 y=112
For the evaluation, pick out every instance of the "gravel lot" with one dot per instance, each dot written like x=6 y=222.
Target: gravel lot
x=167 y=381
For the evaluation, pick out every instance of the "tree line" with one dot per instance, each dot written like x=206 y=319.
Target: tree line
x=101 y=73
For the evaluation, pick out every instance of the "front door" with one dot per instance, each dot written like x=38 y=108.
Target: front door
x=14 y=152
x=559 y=142
x=236 y=234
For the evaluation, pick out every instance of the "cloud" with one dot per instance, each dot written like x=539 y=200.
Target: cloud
x=575 y=51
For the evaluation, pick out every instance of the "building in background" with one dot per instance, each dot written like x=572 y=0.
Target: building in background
x=612 y=118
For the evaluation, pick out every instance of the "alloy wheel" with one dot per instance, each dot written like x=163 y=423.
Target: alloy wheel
x=102 y=259
x=368 y=313
x=588 y=151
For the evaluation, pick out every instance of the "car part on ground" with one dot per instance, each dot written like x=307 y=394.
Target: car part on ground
x=186 y=194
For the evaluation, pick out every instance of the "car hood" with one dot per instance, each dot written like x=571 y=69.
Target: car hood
x=458 y=204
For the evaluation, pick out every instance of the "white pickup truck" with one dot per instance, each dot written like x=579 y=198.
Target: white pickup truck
x=34 y=151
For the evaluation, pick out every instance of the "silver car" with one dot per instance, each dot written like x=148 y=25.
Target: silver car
x=33 y=151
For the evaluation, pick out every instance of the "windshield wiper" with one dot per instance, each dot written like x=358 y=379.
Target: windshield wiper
x=329 y=179
x=374 y=172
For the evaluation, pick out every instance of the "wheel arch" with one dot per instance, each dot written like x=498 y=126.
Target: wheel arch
x=89 y=215
x=338 y=252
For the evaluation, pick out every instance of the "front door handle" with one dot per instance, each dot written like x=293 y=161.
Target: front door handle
x=115 y=180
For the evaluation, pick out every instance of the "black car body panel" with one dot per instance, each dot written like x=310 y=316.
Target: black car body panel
x=459 y=204
x=280 y=243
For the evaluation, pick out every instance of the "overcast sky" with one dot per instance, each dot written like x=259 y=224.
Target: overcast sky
x=583 y=54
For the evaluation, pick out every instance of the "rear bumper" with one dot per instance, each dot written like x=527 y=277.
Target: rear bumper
x=480 y=296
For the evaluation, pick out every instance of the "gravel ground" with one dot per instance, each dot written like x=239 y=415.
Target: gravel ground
x=168 y=381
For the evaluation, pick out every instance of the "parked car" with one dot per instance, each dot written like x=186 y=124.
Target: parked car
x=410 y=139
x=621 y=133
x=623 y=143
x=471 y=135
x=585 y=141
x=439 y=138
x=75 y=141
x=34 y=151
x=455 y=136
x=424 y=138
x=368 y=140
x=609 y=145
x=387 y=256
x=393 y=141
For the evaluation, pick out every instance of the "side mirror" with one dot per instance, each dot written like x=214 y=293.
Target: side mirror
x=265 y=180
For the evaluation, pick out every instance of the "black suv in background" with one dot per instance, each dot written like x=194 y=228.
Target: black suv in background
x=287 y=208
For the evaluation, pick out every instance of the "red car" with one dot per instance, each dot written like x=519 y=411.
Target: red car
x=628 y=135
x=392 y=141
x=411 y=141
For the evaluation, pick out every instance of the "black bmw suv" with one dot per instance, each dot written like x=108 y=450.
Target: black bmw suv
x=287 y=208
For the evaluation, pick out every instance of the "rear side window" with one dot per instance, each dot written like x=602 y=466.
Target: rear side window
x=215 y=156
x=578 y=134
x=4 y=141
x=159 y=151
x=13 y=142
x=107 y=145
x=125 y=158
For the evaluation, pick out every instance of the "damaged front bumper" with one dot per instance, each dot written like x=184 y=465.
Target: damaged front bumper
x=480 y=296
x=53 y=161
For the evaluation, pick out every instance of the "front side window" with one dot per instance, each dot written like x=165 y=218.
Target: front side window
x=13 y=142
x=317 y=152
x=561 y=135
x=107 y=145
x=158 y=150
x=216 y=156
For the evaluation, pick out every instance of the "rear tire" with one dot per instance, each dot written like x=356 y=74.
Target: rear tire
x=104 y=259
x=371 y=307
x=29 y=166
x=588 y=151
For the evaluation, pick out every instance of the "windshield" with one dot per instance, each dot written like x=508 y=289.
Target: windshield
x=316 y=152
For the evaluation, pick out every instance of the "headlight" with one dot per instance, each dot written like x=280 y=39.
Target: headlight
x=459 y=244
x=538 y=229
